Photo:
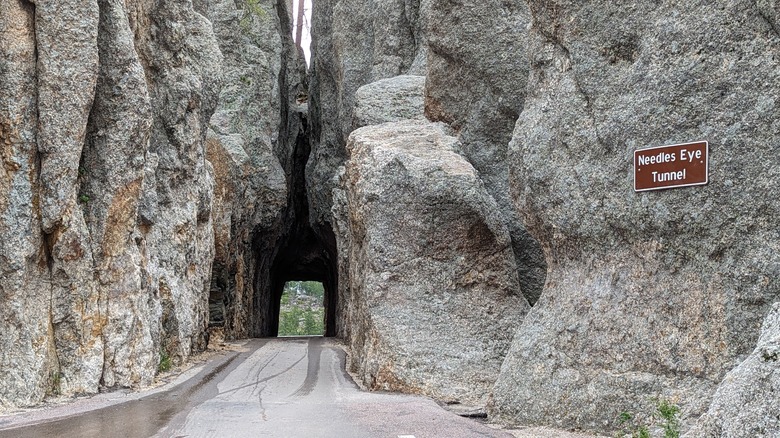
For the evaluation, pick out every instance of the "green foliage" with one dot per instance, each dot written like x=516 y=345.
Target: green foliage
x=629 y=427
x=165 y=362
x=56 y=383
x=666 y=411
x=252 y=11
x=314 y=289
x=83 y=198
x=301 y=311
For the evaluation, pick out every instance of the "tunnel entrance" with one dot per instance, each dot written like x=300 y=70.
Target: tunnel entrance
x=305 y=256
x=302 y=309
x=295 y=248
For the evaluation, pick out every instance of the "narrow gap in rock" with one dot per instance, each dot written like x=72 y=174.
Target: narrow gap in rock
x=297 y=250
x=302 y=25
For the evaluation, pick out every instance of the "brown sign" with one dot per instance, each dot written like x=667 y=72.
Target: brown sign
x=665 y=167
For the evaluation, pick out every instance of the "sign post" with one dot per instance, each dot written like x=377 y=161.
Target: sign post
x=666 y=167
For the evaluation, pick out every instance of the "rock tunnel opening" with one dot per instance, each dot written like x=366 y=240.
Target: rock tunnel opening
x=301 y=249
x=304 y=258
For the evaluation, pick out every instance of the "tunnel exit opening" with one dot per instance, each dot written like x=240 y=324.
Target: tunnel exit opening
x=302 y=309
x=305 y=264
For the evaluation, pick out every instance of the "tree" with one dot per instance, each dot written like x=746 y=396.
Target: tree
x=299 y=23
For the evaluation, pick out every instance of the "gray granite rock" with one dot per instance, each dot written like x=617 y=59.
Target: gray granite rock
x=111 y=180
x=476 y=82
x=654 y=294
x=183 y=69
x=251 y=187
x=390 y=100
x=354 y=43
x=747 y=402
x=105 y=106
x=25 y=347
x=67 y=71
x=433 y=298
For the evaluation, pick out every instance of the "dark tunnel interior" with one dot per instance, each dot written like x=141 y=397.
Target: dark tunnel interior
x=301 y=252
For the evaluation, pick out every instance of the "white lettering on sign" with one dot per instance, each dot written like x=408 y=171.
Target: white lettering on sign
x=663 y=157
x=669 y=176
x=666 y=167
x=689 y=156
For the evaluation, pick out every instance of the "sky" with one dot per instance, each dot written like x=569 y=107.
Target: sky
x=306 y=38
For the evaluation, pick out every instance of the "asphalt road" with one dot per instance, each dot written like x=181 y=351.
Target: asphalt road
x=286 y=387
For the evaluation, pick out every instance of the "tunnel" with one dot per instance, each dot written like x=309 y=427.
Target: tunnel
x=248 y=277
x=301 y=252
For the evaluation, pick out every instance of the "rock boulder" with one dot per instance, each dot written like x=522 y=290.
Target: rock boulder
x=747 y=402
x=390 y=100
x=433 y=295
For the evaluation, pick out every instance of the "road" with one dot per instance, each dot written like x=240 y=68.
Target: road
x=284 y=387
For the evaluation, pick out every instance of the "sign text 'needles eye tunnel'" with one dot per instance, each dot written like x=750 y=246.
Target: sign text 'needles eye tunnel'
x=666 y=167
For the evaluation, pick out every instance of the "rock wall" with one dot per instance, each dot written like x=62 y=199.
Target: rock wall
x=161 y=155
x=747 y=402
x=433 y=295
x=354 y=43
x=175 y=208
x=25 y=356
x=242 y=144
x=106 y=195
x=654 y=294
x=149 y=152
x=476 y=82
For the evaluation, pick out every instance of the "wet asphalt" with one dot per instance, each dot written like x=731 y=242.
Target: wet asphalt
x=282 y=387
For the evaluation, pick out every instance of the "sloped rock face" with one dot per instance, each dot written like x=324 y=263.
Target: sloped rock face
x=433 y=296
x=106 y=196
x=476 y=82
x=654 y=294
x=354 y=43
x=747 y=402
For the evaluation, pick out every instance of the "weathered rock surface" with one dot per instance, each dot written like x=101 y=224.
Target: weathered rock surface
x=390 y=100
x=183 y=63
x=747 y=402
x=476 y=82
x=111 y=179
x=654 y=294
x=251 y=187
x=106 y=195
x=354 y=43
x=433 y=295
x=25 y=349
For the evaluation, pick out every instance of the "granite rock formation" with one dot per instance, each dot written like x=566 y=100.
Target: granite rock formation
x=433 y=295
x=653 y=294
x=242 y=144
x=390 y=100
x=161 y=157
x=747 y=402
x=354 y=43
x=476 y=82
x=106 y=194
